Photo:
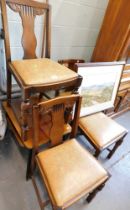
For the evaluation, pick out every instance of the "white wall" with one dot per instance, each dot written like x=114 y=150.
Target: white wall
x=75 y=26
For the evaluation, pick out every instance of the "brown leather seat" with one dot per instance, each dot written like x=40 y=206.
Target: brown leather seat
x=101 y=130
x=69 y=171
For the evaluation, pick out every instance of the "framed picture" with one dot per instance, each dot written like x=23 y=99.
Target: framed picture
x=99 y=86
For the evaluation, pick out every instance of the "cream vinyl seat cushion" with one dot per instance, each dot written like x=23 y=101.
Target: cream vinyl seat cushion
x=40 y=71
x=69 y=172
x=101 y=129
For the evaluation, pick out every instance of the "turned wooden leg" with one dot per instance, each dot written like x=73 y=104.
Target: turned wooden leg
x=41 y=203
x=117 y=144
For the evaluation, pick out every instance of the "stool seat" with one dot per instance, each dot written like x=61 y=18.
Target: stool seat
x=101 y=130
x=69 y=171
x=41 y=71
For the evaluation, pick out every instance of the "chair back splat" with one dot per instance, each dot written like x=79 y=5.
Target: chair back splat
x=49 y=117
x=28 y=10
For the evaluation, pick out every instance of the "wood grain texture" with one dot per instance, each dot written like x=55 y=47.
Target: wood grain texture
x=28 y=14
x=114 y=30
x=52 y=113
x=28 y=10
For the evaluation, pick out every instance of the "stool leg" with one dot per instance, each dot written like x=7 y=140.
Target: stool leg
x=97 y=152
x=41 y=202
x=9 y=86
x=117 y=144
x=56 y=208
x=93 y=194
x=28 y=172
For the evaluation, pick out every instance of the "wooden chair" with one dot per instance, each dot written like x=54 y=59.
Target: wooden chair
x=34 y=75
x=68 y=171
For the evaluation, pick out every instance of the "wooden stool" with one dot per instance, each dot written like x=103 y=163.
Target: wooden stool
x=102 y=132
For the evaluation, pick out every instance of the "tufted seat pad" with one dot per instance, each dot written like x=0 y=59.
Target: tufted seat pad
x=69 y=172
x=101 y=129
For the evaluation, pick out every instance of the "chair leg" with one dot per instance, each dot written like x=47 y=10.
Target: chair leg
x=93 y=194
x=57 y=92
x=56 y=208
x=41 y=203
x=117 y=144
x=28 y=172
x=97 y=152
x=9 y=86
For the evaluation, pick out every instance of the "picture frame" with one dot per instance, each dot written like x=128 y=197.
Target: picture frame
x=99 y=86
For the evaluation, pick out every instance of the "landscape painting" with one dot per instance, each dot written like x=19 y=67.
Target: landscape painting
x=99 y=87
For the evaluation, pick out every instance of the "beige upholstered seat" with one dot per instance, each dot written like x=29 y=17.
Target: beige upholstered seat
x=39 y=71
x=69 y=171
x=101 y=130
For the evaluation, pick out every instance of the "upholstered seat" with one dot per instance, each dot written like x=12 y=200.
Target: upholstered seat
x=101 y=130
x=60 y=168
x=41 y=71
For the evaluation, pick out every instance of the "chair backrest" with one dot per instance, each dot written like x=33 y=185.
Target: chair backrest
x=27 y=10
x=58 y=111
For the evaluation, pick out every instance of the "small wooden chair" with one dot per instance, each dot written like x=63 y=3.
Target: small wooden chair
x=68 y=171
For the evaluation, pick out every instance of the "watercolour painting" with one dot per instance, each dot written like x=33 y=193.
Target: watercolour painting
x=99 y=87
